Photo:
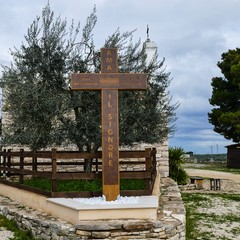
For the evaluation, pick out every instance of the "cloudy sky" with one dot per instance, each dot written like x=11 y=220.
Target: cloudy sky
x=191 y=35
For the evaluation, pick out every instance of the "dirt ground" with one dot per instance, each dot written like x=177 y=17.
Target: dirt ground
x=230 y=182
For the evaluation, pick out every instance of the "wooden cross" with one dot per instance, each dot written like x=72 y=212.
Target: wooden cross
x=109 y=81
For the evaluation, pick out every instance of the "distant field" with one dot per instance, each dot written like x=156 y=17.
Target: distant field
x=208 y=157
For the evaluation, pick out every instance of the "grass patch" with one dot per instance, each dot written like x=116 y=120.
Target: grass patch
x=230 y=218
x=231 y=197
x=193 y=199
x=214 y=167
x=191 y=224
x=195 y=219
x=83 y=185
x=191 y=202
x=132 y=184
x=12 y=226
x=236 y=231
x=196 y=197
x=226 y=196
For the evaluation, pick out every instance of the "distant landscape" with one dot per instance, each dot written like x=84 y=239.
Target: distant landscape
x=207 y=158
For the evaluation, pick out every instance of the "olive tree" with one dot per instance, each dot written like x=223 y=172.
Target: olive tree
x=45 y=112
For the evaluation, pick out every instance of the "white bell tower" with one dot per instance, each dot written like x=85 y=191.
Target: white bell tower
x=150 y=48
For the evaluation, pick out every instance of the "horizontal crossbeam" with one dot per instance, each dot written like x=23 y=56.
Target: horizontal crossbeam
x=99 y=81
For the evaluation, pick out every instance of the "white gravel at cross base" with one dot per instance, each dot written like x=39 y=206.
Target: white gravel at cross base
x=102 y=200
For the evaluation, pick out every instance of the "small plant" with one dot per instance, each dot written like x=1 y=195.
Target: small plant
x=79 y=185
x=44 y=184
x=13 y=227
x=65 y=185
x=83 y=185
x=176 y=171
x=132 y=184
x=202 y=222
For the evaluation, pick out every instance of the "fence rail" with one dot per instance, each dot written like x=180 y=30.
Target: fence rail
x=16 y=166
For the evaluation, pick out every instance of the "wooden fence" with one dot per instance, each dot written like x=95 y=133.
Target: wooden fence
x=16 y=166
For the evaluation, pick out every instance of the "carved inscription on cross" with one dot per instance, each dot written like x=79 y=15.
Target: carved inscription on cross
x=109 y=81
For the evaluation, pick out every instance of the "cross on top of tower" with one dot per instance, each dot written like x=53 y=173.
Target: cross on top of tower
x=148 y=33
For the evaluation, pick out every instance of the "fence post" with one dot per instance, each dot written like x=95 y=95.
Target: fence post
x=4 y=162
x=9 y=163
x=148 y=167
x=154 y=166
x=1 y=164
x=34 y=161
x=54 y=170
x=96 y=165
x=21 y=166
x=154 y=153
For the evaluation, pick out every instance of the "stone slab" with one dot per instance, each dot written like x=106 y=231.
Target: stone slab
x=146 y=208
x=74 y=213
x=144 y=202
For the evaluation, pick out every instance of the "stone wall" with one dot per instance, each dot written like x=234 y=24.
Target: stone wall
x=161 y=158
x=170 y=223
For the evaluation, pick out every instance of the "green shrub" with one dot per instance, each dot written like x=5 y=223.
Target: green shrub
x=83 y=185
x=176 y=171
x=132 y=184
x=13 y=227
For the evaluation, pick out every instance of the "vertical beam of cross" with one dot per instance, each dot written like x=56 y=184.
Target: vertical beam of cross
x=109 y=81
x=110 y=128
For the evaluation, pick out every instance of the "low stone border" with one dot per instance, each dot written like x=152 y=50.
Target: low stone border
x=171 y=209
x=170 y=223
x=188 y=187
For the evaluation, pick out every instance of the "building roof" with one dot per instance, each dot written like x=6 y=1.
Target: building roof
x=237 y=145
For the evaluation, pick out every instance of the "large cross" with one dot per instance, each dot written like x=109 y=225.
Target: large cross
x=109 y=81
